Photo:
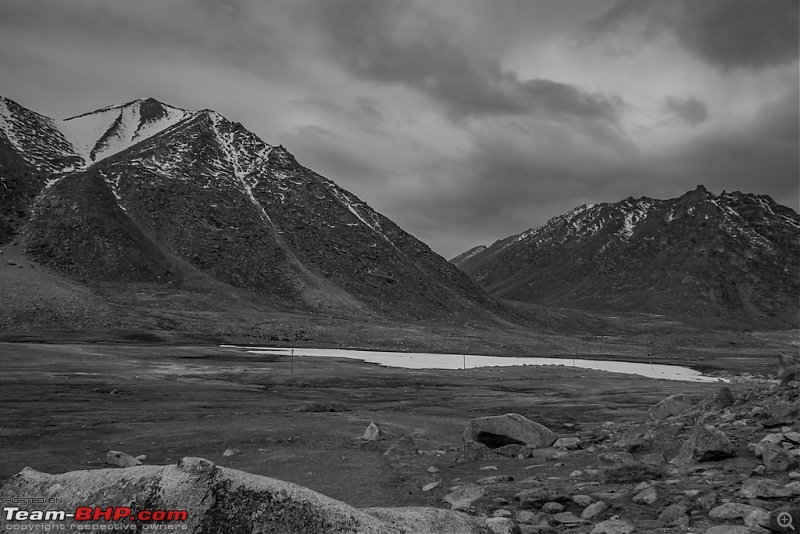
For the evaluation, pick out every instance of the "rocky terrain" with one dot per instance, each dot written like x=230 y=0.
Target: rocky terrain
x=594 y=452
x=730 y=258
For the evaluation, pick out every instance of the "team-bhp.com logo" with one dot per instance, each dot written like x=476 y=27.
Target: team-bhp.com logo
x=87 y=514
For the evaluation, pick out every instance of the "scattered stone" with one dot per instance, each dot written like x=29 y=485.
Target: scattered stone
x=121 y=459
x=552 y=507
x=567 y=518
x=594 y=510
x=502 y=525
x=230 y=452
x=494 y=479
x=707 y=501
x=433 y=469
x=614 y=526
x=502 y=512
x=472 y=452
x=672 y=405
x=723 y=398
x=514 y=450
x=373 y=433
x=403 y=447
x=432 y=485
x=754 y=488
x=674 y=515
x=620 y=457
x=647 y=496
x=756 y=519
x=196 y=466
x=731 y=510
x=463 y=496
x=706 y=444
x=631 y=472
x=534 y=497
x=776 y=459
x=570 y=443
x=582 y=500
x=728 y=529
x=508 y=429
x=656 y=458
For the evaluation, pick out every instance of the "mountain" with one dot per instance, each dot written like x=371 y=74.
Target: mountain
x=149 y=193
x=703 y=257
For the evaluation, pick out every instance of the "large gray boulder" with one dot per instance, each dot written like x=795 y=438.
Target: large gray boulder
x=225 y=500
x=511 y=428
x=706 y=444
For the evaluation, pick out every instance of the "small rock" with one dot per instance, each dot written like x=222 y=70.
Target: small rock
x=433 y=469
x=403 y=447
x=656 y=458
x=674 y=515
x=672 y=405
x=567 y=518
x=373 y=433
x=707 y=501
x=230 y=452
x=614 y=526
x=502 y=512
x=731 y=510
x=463 y=496
x=534 y=497
x=776 y=459
x=570 y=443
x=494 y=479
x=647 y=496
x=472 y=452
x=432 y=485
x=594 y=510
x=489 y=468
x=502 y=525
x=524 y=516
x=552 y=507
x=756 y=519
x=754 y=488
x=121 y=459
x=582 y=500
x=728 y=529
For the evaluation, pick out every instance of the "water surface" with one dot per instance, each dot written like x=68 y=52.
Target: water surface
x=425 y=360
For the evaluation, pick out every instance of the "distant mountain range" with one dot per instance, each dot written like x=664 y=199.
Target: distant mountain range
x=149 y=193
x=700 y=257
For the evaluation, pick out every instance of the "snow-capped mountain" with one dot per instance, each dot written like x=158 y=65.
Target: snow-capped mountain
x=732 y=255
x=150 y=192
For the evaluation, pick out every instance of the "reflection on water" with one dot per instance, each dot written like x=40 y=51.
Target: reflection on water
x=416 y=360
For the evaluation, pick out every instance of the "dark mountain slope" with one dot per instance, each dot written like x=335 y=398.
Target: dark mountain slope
x=729 y=257
x=161 y=191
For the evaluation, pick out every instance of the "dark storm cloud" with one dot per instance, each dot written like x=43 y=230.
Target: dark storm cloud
x=690 y=109
x=376 y=41
x=725 y=33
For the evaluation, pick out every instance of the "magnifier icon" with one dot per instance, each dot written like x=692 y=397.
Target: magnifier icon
x=785 y=520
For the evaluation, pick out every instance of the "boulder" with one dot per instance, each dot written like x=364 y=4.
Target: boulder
x=672 y=405
x=594 y=510
x=472 y=452
x=570 y=443
x=706 y=444
x=218 y=499
x=732 y=510
x=508 y=429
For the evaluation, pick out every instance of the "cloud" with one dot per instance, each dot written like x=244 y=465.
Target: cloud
x=728 y=34
x=690 y=109
x=399 y=43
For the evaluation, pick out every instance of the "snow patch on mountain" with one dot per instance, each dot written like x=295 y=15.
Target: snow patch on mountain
x=108 y=131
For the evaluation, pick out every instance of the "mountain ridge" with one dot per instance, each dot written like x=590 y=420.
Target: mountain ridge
x=143 y=191
x=733 y=254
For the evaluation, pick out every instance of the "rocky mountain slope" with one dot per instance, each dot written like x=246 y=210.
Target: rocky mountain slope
x=718 y=258
x=149 y=193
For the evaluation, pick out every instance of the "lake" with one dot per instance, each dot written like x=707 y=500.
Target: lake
x=423 y=360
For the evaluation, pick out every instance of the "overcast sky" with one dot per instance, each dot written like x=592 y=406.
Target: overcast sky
x=464 y=121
